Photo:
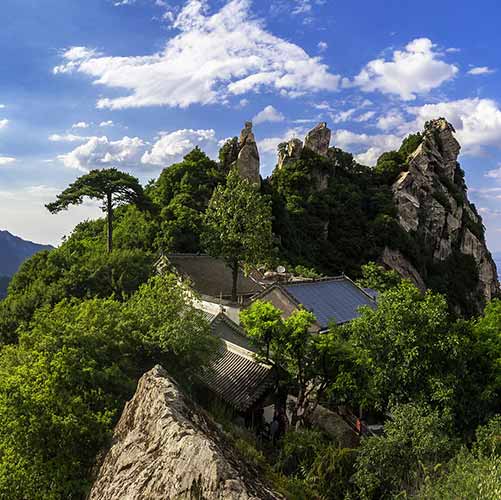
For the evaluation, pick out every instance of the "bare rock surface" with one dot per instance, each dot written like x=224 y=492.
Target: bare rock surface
x=248 y=161
x=432 y=201
x=318 y=139
x=166 y=447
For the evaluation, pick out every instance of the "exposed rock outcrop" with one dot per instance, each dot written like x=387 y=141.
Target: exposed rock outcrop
x=432 y=202
x=248 y=161
x=318 y=139
x=289 y=151
x=166 y=447
x=396 y=260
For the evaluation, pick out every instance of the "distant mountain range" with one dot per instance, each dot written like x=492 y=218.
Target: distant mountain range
x=14 y=251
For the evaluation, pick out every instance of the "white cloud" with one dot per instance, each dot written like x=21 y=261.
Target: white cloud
x=2 y=106
x=494 y=174
x=269 y=145
x=74 y=57
x=171 y=147
x=268 y=114
x=4 y=123
x=134 y=152
x=67 y=138
x=477 y=121
x=108 y=123
x=322 y=46
x=343 y=116
x=481 y=70
x=371 y=146
x=392 y=120
x=212 y=58
x=415 y=70
x=365 y=117
x=80 y=125
x=100 y=152
x=6 y=160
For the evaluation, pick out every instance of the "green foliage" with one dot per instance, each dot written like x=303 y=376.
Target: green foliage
x=378 y=278
x=331 y=471
x=182 y=192
x=468 y=477
x=315 y=366
x=112 y=187
x=238 y=225
x=415 y=440
x=488 y=441
x=298 y=451
x=76 y=269
x=410 y=144
x=406 y=346
x=63 y=387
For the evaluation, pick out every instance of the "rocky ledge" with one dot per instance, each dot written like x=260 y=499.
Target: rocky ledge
x=165 y=446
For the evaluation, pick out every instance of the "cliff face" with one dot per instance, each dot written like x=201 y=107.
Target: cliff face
x=432 y=203
x=166 y=447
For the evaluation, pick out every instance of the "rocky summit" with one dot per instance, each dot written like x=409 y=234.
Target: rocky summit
x=166 y=447
x=431 y=199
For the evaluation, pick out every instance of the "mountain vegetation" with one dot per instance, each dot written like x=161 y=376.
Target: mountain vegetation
x=83 y=321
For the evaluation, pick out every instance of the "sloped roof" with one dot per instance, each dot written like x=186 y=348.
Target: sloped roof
x=236 y=377
x=211 y=276
x=330 y=299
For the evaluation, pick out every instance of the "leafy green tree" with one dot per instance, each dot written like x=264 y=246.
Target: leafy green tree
x=415 y=440
x=238 y=225
x=63 y=387
x=378 y=278
x=182 y=193
x=313 y=365
x=407 y=347
x=110 y=186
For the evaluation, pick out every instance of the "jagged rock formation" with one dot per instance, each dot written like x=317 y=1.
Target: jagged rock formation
x=289 y=151
x=166 y=447
x=318 y=139
x=394 y=259
x=248 y=161
x=432 y=203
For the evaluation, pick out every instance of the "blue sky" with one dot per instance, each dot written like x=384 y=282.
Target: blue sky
x=137 y=83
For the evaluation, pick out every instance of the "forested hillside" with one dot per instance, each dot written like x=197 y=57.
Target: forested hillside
x=82 y=322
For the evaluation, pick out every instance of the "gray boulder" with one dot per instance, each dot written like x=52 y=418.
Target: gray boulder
x=166 y=447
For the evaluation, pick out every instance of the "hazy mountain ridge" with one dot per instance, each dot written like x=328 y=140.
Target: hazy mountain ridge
x=14 y=251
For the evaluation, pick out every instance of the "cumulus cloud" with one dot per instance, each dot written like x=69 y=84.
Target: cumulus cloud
x=390 y=121
x=81 y=125
x=108 y=123
x=4 y=123
x=481 y=70
x=269 y=145
x=415 y=70
x=67 y=138
x=268 y=114
x=134 y=152
x=171 y=147
x=214 y=57
x=100 y=152
x=6 y=160
x=370 y=146
x=477 y=121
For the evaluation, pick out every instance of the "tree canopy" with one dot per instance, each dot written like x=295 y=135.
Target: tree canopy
x=109 y=185
x=238 y=225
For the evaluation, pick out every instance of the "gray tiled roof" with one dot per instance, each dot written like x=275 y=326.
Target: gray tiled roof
x=211 y=276
x=333 y=299
x=236 y=378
